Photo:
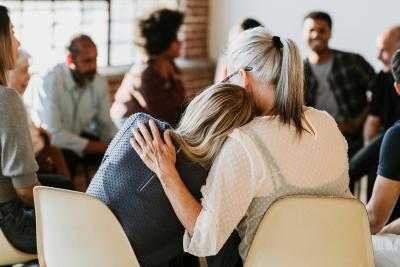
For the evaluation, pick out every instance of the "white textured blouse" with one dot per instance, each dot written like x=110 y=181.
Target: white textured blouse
x=260 y=162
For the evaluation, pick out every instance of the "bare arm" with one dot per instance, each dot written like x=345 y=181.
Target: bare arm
x=392 y=228
x=95 y=147
x=380 y=206
x=162 y=163
x=26 y=195
x=371 y=128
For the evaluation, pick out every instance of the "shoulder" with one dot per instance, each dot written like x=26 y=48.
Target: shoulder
x=392 y=135
x=390 y=154
x=345 y=55
x=142 y=117
x=11 y=107
x=100 y=78
x=319 y=114
x=54 y=76
x=9 y=97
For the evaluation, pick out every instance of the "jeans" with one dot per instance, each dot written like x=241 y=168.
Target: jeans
x=18 y=225
x=18 y=222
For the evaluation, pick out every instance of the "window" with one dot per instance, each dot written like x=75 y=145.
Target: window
x=45 y=27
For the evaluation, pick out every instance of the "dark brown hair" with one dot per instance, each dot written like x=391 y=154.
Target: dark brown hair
x=320 y=15
x=157 y=30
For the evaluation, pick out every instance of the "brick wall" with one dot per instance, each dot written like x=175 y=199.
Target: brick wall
x=197 y=69
x=194 y=33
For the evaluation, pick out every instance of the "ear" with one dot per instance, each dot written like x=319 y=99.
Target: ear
x=247 y=80
x=397 y=87
x=70 y=60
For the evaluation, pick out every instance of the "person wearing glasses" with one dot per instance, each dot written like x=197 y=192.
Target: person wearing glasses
x=136 y=196
x=288 y=149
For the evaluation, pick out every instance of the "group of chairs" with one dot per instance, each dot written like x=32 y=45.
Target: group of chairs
x=75 y=229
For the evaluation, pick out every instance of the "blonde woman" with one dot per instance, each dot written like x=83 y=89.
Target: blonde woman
x=135 y=195
x=288 y=149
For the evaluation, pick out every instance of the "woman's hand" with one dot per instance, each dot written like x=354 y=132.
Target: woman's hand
x=391 y=228
x=158 y=156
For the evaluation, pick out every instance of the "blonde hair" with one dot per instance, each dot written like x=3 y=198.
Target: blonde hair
x=6 y=56
x=271 y=65
x=209 y=119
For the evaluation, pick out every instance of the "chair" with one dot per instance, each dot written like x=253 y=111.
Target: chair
x=75 y=229
x=10 y=255
x=309 y=231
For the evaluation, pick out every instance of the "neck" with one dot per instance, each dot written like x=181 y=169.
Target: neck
x=320 y=57
x=264 y=98
x=162 y=65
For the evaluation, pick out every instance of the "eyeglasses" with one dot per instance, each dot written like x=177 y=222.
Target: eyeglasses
x=236 y=72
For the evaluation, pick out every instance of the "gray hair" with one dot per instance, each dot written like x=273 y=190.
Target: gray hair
x=280 y=67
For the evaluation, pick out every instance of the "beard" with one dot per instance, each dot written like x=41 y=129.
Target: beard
x=84 y=76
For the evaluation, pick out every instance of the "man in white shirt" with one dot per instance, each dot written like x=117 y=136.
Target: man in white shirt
x=73 y=104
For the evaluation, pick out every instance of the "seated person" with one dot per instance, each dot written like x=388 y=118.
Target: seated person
x=384 y=111
x=153 y=85
x=73 y=105
x=49 y=158
x=387 y=185
x=135 y=195
x=18 y=165
x=285 y=151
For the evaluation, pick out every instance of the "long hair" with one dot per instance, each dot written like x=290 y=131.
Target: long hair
x=6 y=57
x=210 y=118
x=271 y=65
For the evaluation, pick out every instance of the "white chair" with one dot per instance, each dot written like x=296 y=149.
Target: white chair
x=75 y=229
x=309 y=231
x=10 y=255
x=386 y=250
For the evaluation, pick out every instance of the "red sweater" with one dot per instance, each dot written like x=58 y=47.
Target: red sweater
x=145 y=90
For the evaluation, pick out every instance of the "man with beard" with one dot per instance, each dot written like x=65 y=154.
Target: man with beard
x=73 y=105
x=336 y=81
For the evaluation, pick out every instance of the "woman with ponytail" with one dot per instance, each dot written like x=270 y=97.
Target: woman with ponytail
x=288 y=149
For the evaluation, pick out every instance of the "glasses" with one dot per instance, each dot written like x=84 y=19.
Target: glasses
x=236 y=72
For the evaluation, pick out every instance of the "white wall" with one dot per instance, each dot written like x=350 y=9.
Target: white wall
x=356 y=23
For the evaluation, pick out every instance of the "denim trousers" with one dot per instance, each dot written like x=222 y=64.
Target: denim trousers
x=18 y=225
x=18 y=222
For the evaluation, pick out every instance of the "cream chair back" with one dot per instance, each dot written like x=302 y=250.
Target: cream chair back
x=75 y=229
x=309 y=231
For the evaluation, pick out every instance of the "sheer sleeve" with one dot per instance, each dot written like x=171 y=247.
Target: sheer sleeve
x=232 y=183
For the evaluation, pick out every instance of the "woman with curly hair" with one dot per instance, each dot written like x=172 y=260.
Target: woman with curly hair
x=153 y=85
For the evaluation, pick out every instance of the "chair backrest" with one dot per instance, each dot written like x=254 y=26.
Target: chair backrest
x=309 y=231
x=75 y=229
x=10 y=255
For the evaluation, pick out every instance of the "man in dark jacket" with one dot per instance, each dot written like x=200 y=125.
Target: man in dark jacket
x=336 y=81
